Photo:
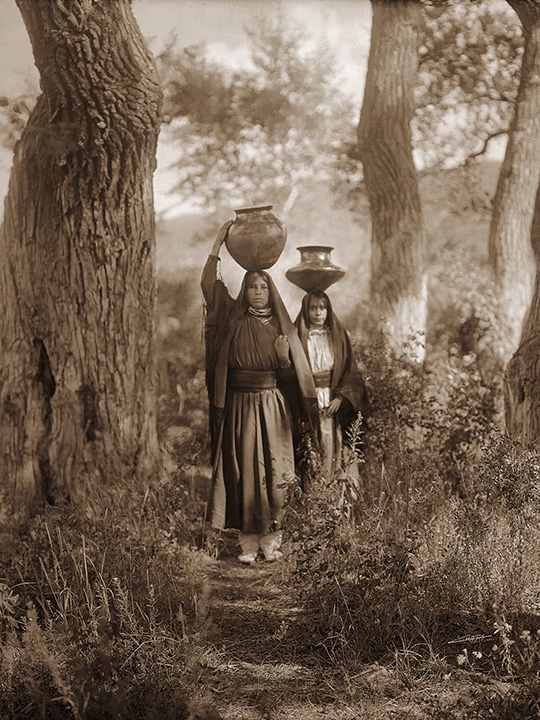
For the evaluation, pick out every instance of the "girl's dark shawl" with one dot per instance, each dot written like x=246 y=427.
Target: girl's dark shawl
x=346 y=381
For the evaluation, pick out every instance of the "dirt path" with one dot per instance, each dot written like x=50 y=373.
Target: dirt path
x=260 y=656
x=258 y=662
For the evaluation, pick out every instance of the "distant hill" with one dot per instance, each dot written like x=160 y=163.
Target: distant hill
x=457 y=209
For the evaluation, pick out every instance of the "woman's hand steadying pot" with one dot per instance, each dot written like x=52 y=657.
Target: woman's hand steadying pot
x=221 y=236
x=281 y=345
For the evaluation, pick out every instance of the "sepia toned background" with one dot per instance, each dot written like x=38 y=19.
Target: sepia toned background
x=344 y=25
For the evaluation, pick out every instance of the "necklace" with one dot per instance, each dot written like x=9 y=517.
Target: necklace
x=264 y=314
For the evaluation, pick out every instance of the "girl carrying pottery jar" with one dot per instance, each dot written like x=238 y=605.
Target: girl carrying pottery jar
x=341 y=392
x=252 y=348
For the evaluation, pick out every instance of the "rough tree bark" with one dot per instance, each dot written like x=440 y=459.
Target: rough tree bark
x=398 y=274
x=77 y=278
x=522 y=377
x=510 y=248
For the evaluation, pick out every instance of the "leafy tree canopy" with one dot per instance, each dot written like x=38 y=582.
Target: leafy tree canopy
x=469 y=68
x=244 y=136
x=14 y=114
x=470 y=60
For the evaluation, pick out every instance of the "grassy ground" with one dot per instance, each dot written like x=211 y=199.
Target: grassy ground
x=135 y=612
x=412 y=593
x=261 y=660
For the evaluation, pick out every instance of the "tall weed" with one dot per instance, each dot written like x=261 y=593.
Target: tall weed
x=104 y=617
x=442 y=542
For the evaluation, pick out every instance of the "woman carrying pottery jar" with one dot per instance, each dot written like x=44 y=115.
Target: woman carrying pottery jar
x=252 y=347
x=341 y=393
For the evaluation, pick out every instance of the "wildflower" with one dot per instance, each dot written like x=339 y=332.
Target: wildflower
x=477 y=654
x=462 y=658
x=526 y=635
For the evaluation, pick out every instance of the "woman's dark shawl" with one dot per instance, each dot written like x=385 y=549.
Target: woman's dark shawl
x=222 y=316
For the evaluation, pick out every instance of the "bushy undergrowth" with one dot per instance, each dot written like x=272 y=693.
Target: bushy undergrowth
x=440 y=550
x=422 y=552
x=105 y=617
x=104 y=611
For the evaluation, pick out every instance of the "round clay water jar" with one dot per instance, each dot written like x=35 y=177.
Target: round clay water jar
x=256 y=238
x=316 y=271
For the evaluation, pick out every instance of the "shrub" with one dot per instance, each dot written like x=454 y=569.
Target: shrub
x=103 y=615
x=443 y=536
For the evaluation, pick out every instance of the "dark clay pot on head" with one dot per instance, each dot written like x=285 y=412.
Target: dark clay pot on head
x=256 y=238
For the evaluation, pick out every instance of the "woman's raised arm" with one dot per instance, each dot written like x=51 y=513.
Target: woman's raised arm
x=220 y=238
x=209 y=274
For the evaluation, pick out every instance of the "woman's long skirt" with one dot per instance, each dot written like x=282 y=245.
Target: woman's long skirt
x=254 y=463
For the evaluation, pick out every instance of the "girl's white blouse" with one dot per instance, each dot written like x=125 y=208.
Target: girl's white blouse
x=321 y=359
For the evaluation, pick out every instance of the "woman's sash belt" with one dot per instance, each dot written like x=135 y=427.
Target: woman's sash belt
x=252 y=380
x=322 y=379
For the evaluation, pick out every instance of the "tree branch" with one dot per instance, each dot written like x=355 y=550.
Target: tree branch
x=485 y=144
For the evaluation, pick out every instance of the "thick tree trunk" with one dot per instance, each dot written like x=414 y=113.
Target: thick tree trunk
x=398 y=274
x=522 y=378
x=77 y=277
x=513 y=206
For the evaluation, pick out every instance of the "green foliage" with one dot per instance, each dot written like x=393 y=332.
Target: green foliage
x=445 y=409
x=182 y=397
x=244 y=136
x=442 y=541
x=469 y=67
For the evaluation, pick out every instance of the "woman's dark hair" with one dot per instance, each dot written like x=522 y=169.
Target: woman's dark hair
x=253 y=274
